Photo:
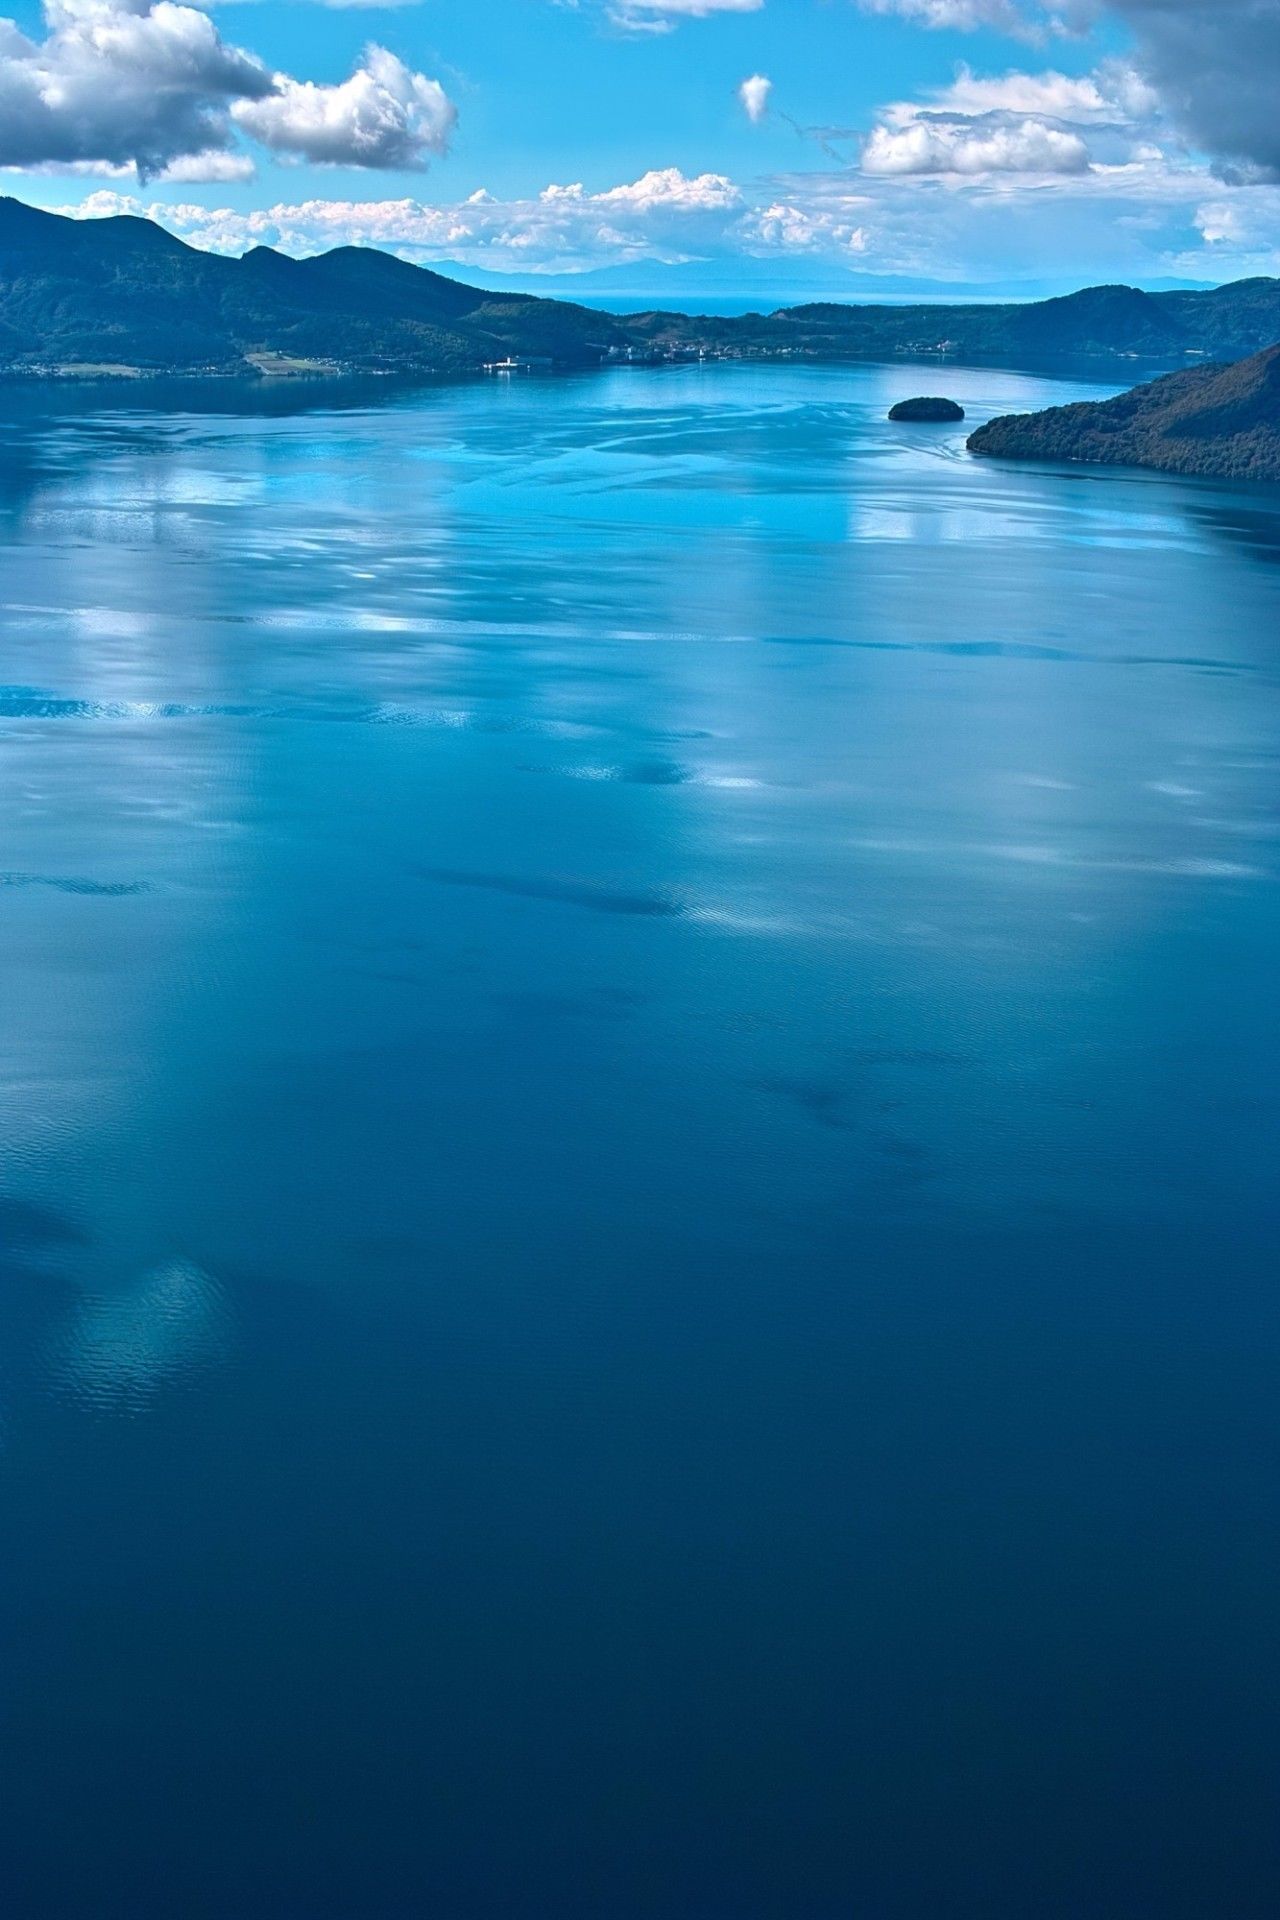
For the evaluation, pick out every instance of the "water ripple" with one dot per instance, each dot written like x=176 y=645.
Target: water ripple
x=119 y=1350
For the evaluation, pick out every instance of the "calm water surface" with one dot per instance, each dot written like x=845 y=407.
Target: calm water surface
x=637 y=1214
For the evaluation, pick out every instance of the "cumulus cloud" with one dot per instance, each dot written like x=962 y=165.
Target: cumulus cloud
x=151 y=86
x=1214 y=63
x=382 y=116
x=1018 y=123
x=663 y=215
x=960 y=147
x=1113 y=92
x=141 y=87
x=1220 y=221
x=791 y=227
x=754 y=95
x=666 y=188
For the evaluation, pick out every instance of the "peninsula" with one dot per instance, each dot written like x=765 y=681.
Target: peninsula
x=1222 y=422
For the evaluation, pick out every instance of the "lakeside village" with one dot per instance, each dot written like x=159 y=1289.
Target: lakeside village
x=612 y=356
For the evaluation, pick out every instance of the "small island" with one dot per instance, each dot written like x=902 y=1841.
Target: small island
x=929 y=408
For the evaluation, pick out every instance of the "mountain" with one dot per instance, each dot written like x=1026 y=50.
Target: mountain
x=1220 y=421
x=123 y=294
x=1229 y=322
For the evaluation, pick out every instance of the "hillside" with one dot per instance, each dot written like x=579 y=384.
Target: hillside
x=124 y=293
x=1097 y=322
x=1219 y=421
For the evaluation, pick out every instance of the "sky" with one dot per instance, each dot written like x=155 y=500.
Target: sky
x=850 y=146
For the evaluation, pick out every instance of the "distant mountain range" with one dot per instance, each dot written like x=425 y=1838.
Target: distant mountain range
x=123 y=295
x=1223 y=422
x=736 y=284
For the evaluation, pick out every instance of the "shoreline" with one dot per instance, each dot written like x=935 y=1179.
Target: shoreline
x=118 y=373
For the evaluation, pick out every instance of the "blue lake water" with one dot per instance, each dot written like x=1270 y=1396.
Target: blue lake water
x=638 y=1210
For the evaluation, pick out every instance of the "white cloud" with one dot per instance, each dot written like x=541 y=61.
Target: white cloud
x=1034 y=20
x=1031 y=124
x=1028 y=146
x=959 y=16
x=142 y=87
x=150 y=86
x=382 y=116
x=667 y=188
x=964 y=15
x=664 y=215
x=1214 y=63
x=785 y=226
x=662 y=16
x=1113 y=91
x=1220 y=222
x=754 y=95
x=1241 y=233
x=196 y=169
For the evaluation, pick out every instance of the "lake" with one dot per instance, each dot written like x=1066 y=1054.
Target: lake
x=639 y=1108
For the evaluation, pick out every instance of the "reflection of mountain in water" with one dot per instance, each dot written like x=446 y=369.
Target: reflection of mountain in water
x=1256 y=529
x=49 y=431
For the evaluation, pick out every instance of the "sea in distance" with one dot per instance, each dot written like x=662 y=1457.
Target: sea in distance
x=638 y=1204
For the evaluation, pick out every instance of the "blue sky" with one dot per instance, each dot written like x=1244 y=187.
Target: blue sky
x=849 y=144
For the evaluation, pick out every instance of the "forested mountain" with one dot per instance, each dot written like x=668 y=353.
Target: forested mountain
x=124 y=292
x=1218 y=421
x=1218 y=321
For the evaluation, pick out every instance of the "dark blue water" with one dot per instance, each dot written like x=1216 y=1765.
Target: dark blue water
x=638 y=1212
